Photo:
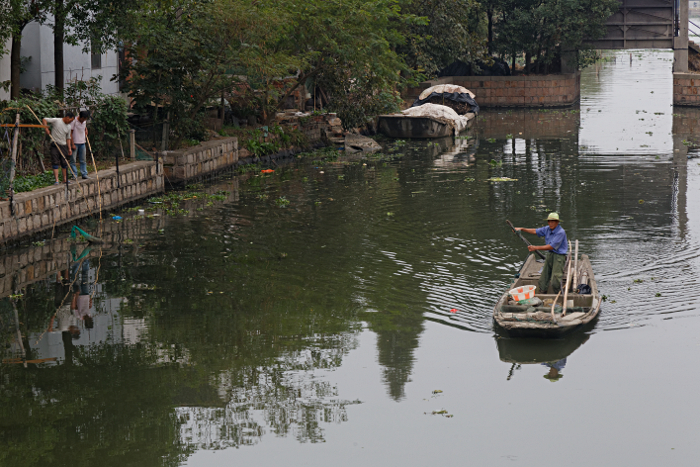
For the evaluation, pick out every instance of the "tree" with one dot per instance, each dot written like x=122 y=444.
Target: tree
x=21 y=13
x=348 y=45
x=261 y=51
x=452 y=30
x=181 y=58
x=542 y=29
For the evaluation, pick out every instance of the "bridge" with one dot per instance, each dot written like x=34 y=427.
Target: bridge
x=649 y=24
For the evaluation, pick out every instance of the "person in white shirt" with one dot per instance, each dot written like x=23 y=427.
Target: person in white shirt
x=79 y=135
x=61 y=142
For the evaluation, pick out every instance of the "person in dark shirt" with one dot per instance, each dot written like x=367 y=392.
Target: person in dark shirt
x=556 y=245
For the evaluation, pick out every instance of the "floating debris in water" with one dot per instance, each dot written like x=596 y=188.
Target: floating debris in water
x=502 y=179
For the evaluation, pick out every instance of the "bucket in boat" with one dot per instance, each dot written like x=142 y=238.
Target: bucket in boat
x=522 y=293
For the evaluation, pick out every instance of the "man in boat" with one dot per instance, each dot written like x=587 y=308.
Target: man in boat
x=556 y=246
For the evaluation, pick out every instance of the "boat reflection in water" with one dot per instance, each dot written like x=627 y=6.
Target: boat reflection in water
x=550 y=353
x=460 y=154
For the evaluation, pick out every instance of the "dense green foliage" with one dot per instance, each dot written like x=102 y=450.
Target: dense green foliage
x=452 y=30
x=260 y=53
x=541 y=29
x=354 y=55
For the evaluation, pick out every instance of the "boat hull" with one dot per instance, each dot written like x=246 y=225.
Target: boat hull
x=416 y=127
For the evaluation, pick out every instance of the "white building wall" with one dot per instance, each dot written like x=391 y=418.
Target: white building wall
x=37 y=43
x=5 y=71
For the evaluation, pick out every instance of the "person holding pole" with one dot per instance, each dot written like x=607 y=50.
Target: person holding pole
x=61 y=141
x=556 y=246
x=79 y=133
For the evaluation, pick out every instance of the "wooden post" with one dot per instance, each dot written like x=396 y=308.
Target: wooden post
x=166 y=133
x=13 y=163
x=132 y=144
x=223 y=109
x=121 y=147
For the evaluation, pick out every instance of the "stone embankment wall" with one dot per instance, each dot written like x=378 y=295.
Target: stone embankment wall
x=206 y=158
x=219 y=154
x=686 y=89
x=514 y=91
x=48 y=207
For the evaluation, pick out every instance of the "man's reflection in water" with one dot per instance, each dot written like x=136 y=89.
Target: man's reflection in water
x=554 y=369
x=81 y=302
x=70 y=315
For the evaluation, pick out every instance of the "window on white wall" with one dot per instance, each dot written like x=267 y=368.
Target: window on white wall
x=95 y=59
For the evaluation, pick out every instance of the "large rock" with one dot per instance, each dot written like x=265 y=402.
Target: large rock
x=355 y=143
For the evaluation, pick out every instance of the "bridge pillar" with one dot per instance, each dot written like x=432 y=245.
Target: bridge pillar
x=680 y=42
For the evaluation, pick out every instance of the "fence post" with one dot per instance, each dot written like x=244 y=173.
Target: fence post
x=132 y=144
x=166 y=133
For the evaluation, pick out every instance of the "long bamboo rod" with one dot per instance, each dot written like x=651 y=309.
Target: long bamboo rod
x=22 y=125
x=568 y=280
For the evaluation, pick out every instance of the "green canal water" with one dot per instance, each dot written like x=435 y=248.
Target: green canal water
x=338 y=312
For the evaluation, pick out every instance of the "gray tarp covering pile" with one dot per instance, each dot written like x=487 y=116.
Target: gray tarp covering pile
x=456 y=97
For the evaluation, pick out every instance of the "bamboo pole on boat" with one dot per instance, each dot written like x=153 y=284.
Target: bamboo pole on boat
x=568 y=280
x=575 y=283
x=554 y=318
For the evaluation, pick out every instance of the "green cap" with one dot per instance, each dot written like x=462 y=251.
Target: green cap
x=553 y=216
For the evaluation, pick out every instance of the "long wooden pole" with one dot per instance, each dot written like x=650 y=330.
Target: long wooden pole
x=568 y=280
x=554 y=318
x=97 y=177
x=23 y=125
x=517 y=232
x=13 y=164
x=575 y=283
x=19 y=334
x=122 y=148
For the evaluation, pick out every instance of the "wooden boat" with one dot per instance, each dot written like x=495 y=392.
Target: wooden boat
x=542 y=321
x=421 y=126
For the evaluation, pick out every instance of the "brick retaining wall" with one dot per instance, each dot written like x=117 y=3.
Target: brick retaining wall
x=43 y=208
x=514 y=91
x=686 y=89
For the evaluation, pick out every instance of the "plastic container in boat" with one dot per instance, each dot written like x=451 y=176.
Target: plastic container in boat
x=522 y=293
